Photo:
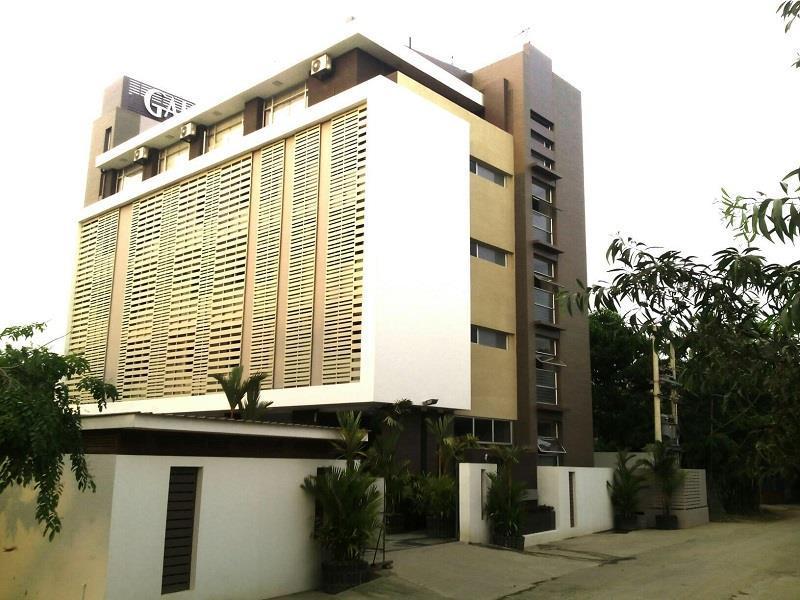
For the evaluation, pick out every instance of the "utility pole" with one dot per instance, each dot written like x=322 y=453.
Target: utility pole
x=656 y=393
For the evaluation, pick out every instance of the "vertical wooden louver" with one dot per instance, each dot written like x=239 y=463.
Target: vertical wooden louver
x=182 y=316
x=345 y=249
x=176 y=573
x=91 y=303
x=268 y=247
x=302 y=255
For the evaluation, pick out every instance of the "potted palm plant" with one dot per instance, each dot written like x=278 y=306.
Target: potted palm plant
x=504 y=502
x=349 y=505
x=625 y=485
x=668 y=477
x=439 y=491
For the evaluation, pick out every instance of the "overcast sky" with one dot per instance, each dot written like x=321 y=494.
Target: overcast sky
x=679 y=99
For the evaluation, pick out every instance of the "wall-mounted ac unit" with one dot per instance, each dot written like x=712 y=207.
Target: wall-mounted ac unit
x=321 y=67
x=188 y=132
x=141 y=154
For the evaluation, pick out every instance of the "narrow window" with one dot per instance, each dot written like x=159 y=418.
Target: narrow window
x=502 y=432
x=546 y=123
x=489 y=337
x=463 y=426
x=107 y=140
x=543 y=160
x=540 y=139
x=572 y=498
x=486 y=252
x=542 y=191
x=483 y=430
x=179 y=531
x=544 y=305
x=544 y=267
x=542 y=227
x=481 y=169
x=547 y=385
x=545 y=346
x=224 y=131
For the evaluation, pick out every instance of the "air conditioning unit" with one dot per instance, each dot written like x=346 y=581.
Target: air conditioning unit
x=141 y=154
x=321 y=67
x=188 y=132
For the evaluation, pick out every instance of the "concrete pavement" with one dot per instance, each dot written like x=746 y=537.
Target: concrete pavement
x=733 y=560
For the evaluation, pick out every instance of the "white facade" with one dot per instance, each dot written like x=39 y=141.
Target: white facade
x=416 y=318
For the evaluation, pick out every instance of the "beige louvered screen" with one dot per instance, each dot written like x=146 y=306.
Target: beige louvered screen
x=265 y=288
x=302 y=254
x=230 y=264
x=182 y=316
x=344 y=260
x=139 y=302
x=91 y=305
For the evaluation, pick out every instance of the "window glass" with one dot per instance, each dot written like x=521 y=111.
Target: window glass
x=543 y=160
x=542 y=191
x=546 y=386
x=224 y=131
x=502 y=432
x=487 y=172
x=172 y=156
x=462 y=426
x=542 y=266
x=545 y=345
x=547 y=429
x=544 y=122
x=129 y=176
x=544 y=306
x=540 y=139
x=489 y=337
x=483 y=430
x=489 y=253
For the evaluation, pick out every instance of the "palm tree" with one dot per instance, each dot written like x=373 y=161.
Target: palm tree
x=235 y=388
x=351 y=437
x=449 y=447
x=255 y=409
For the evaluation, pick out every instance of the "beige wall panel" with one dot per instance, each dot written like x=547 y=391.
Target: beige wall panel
x=492 y=213
x=283 y=267
x=494 y=382
x=492 y=306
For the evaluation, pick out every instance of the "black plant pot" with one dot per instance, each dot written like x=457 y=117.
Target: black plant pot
x=515 y=542
x=438 y=527
x=666 y=522
x=625 y=523
x=338 y=576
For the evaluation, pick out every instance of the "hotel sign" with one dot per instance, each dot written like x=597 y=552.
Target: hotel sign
x=151 y=102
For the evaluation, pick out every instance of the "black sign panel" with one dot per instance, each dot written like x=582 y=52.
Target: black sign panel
x=151 y=102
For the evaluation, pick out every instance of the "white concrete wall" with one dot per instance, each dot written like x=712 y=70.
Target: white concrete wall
x=473 y=484
x=416 y=250
x=73 y=565
x=593 y=510
x=253 y=537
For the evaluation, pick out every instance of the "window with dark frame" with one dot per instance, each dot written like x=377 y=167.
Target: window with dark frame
x=488 y=337
x=486 y=252
x=543 y=121
x=107 y=140
x=481 y=169
x=176 y=573
x=544 y=267
x=488 y=431
x=540 y=139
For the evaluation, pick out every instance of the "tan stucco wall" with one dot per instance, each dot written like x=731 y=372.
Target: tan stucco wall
x=73 y=565
x=493 y=300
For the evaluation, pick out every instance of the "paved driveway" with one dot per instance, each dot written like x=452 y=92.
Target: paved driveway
x=735 y=560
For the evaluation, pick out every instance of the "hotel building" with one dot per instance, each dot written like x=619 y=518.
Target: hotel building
x=363 y=224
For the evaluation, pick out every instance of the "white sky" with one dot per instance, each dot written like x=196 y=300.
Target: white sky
x=679 y=99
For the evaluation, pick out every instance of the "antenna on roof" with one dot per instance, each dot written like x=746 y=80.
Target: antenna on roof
x=524 y=33
x=409 y=42
x=350 y=19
